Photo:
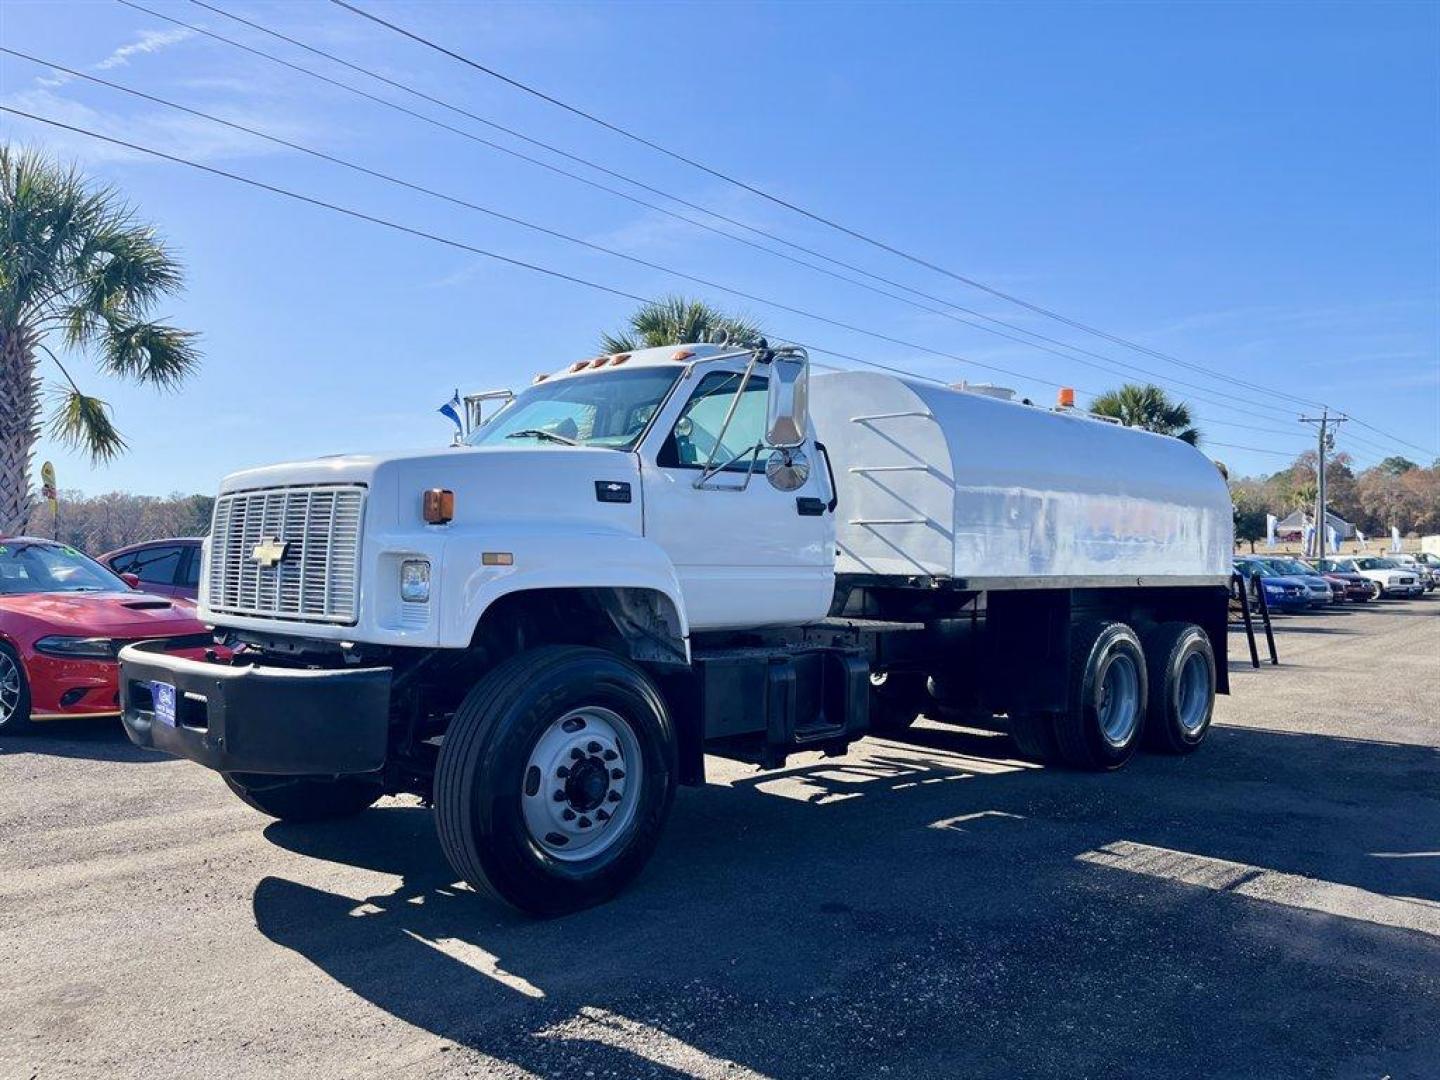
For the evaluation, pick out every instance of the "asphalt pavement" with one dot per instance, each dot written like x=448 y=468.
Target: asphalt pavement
x=921 y=908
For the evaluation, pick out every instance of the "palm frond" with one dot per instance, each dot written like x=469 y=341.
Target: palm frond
x=619 y=342
x=83 y=423
x=149 y=352
x=676 y=320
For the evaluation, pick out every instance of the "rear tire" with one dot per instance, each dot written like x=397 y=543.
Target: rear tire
x=897 y=698
x=1181 y=670
x=14 y=694
x=514 y=806
x=1034 y=738
x=1102 y=725
x=305 y=798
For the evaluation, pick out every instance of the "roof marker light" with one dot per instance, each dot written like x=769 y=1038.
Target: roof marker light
x=683 y=354
x=579 y=365
x=619 y=358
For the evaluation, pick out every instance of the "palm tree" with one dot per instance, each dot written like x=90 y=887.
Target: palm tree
x=675 y=320
x=77 y=272
x=1150 y=408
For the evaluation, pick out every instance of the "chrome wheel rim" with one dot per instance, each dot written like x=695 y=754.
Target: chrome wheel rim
x=1119 y=700
x=580 y=791
x=1194 y=693
x=9 y=688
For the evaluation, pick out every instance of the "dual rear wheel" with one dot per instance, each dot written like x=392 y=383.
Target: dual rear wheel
x=1125 y=689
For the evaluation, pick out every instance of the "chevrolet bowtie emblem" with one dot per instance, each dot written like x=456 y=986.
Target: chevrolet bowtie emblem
x=269 y=551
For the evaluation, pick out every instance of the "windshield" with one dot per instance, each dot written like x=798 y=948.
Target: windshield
x=1377 y=564
x=30 y=567
x=609 y=410
x=1342 y=565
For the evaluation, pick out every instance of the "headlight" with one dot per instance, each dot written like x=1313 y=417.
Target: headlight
x=78 y=648
x=415 y=580
x=1275 y=588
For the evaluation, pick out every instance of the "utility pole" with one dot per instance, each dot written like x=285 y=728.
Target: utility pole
x=1324 y=420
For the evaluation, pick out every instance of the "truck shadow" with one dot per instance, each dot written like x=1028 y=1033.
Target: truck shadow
x=927 y=897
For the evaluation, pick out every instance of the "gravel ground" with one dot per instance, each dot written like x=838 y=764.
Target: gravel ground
x=1267 y=907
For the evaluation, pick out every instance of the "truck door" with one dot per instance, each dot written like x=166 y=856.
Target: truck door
x=751 y=557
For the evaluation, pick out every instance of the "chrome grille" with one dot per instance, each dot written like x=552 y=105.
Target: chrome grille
x=318 y=580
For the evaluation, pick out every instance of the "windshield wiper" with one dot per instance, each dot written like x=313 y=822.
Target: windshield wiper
x=538 y=433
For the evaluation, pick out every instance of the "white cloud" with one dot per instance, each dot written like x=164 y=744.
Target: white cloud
x=150 y=41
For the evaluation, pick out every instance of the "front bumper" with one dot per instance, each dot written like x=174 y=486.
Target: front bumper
x=254 y=719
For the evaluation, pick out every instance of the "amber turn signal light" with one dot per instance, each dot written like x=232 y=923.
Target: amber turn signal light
x=438 y=506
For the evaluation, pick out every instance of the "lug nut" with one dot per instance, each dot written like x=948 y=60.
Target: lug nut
x=614 y=796
x=562 y=772
x=576 y=754
x=593 y=747
x=584 y=823
x=559 y=794
x=568 y=814
x=610 y=755
x=617 y=774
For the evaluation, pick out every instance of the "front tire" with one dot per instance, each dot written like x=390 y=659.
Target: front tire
x=1181 y=672
x=1101 y=727
x=14 y=693
x=555 y=779
x=305 y=798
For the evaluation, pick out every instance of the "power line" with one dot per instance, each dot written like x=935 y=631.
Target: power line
x=777 y=200
x=449 y=242
x=364 y=170
x=1070 y=348
x=829 y=222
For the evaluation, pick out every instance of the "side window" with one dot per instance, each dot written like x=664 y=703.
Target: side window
x=696 y=432
x=156 y=565
x=123 y=564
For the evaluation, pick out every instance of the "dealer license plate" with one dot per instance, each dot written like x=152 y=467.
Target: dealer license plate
x=164 y=695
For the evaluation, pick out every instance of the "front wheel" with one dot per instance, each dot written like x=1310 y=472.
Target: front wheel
x=555 y=779
x=305 y=798
x=14 y=693
x=897 y=698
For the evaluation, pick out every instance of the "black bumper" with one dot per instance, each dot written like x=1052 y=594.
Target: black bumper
x=280 y=721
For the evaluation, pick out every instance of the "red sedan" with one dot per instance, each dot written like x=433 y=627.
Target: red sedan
x=63 y=618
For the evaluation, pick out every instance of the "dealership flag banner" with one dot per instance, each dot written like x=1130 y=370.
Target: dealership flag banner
x=1334 y=536
x=1394 y=537
x=47 y=486
x=1270 y=522
x=1309 y=539
x=1361 y=537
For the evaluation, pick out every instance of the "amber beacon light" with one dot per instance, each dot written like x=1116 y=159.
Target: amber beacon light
x=438 y=506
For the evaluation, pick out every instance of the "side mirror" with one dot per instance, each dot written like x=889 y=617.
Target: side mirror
x=787 y=406
x=133 y=580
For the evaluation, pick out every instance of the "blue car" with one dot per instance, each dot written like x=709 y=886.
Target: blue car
x=1282 y=593
x=1319 y=588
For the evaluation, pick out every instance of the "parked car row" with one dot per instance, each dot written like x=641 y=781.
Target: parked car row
x=1295 y=585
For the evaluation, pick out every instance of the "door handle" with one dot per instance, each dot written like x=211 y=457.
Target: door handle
x=806 y=506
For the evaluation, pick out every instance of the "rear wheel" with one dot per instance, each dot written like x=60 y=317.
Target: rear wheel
x=1034 y=737
x=1108 y=689
x=897 y=698
x=555 y=779
x=1181 y=671
x=305 y=798
x=14 y=693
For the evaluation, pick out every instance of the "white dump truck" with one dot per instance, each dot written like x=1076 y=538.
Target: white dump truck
x=643 y=559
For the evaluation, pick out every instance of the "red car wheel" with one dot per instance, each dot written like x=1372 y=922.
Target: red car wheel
x=14 y=692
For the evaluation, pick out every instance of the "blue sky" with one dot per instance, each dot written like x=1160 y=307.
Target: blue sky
x=1249 y=187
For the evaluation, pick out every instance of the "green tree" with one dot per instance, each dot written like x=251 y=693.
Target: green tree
x=1249 y=503
x=1396 y=465
x=677 y=320
x=1150 y=408
x=78 y=274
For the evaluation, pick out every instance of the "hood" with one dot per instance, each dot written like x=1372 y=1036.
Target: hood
x=548 y=483
x=106 y=614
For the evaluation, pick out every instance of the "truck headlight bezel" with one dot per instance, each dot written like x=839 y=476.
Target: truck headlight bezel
x=415 y=581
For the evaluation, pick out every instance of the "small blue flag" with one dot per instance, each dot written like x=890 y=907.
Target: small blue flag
x=452 y=409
